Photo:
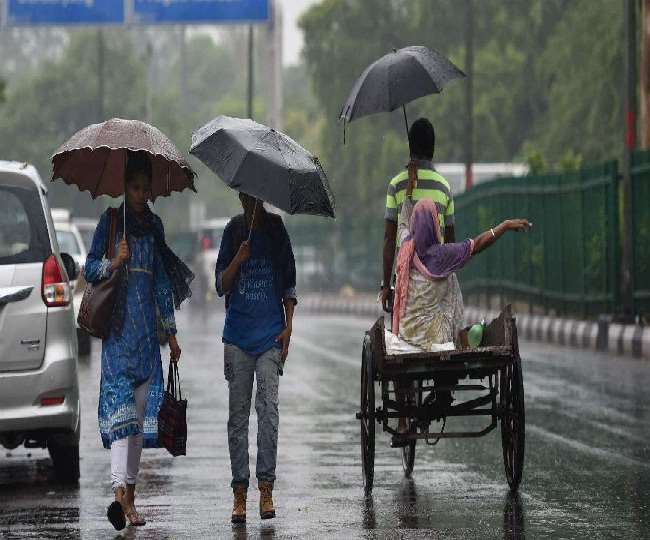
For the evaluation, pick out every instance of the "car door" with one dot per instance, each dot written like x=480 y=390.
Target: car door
x=24 y=246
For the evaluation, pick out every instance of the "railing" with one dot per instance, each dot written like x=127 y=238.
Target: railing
x=569 y=263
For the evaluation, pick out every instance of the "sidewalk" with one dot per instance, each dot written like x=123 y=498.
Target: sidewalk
x=630 y=340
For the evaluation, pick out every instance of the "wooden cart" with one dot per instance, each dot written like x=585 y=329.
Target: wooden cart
x=491 y=372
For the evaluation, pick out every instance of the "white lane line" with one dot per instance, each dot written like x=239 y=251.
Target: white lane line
x=330 y=354
x=607 y=455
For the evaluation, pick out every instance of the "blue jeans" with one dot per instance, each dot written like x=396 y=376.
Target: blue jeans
x=239 y=369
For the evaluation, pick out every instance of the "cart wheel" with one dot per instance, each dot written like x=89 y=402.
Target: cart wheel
x=408 y=458
x=513 y=423
x=367 y=415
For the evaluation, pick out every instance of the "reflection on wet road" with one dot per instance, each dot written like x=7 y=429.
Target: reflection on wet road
x=587 y=472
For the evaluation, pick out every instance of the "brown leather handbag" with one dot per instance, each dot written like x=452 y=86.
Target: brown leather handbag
x=98 y=300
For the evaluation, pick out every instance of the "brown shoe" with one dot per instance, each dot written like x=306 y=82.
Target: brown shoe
x=239 y=505
x=266 y=500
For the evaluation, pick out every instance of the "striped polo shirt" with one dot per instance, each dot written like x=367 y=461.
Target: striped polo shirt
x=431 y=185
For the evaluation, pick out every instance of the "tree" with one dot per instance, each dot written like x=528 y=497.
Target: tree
x=60 y=97
x=538 y=89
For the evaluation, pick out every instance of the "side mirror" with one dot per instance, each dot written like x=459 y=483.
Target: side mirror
x=71 y=267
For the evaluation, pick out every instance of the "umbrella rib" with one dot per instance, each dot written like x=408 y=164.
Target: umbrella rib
x=99 y=179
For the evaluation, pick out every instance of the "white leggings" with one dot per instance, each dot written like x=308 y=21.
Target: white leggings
x=125 y=453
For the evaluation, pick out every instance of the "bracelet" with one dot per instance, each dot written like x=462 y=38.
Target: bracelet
x=492 y=231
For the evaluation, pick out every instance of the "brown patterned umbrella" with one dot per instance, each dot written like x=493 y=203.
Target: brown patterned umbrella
x=94 y=159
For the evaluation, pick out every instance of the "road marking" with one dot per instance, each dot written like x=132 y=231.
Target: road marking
x=607 y=455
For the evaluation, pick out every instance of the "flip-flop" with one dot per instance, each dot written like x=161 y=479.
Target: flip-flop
x=135 y=519
x=115 y=515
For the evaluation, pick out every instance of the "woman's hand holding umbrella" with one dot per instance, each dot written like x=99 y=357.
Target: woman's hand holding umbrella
x=243 y=253
x=122 y=255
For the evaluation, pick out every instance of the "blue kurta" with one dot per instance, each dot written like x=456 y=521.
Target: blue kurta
x=132 y=357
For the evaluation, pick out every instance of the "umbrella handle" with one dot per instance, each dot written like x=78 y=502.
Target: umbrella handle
x=406 y=122
x=124 y=215
x=250 y=229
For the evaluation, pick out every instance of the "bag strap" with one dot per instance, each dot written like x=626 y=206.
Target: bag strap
x=178 y=380
x=174 y=381
x=110 y=244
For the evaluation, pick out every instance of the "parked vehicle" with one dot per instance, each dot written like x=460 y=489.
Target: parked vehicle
x=39 y=389
x=71 y=242
x=86 y=228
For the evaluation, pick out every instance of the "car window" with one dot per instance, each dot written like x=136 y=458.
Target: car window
x=68 y=242
x=23 y=230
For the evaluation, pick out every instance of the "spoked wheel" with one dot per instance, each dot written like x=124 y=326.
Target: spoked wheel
x=408 y=457
x=408 y=451
x=367 y=415
x=513 y=422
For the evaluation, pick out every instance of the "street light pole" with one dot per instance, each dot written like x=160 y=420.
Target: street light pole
x=250 y=71
x=627 y=255
x=645 y=76
x=469 y=94
x=100 y=75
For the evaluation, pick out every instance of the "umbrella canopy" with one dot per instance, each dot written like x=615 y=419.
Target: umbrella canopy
x=94 y=159
x=264 y=163
x=397 y=79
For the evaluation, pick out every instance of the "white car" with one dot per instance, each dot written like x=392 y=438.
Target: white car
x=86 y=228
x=39 y=387
x=71 y=242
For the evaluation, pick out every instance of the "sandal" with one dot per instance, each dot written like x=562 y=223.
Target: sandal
x=135 y=518
x=115 y=515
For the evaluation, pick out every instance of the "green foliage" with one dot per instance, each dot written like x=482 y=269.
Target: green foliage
x=582 y=70
x=535 y=161
x=570 y=161
x=57 y=93
x=61 y=96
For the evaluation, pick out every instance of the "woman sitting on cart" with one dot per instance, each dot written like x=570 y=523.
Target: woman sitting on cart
x=428 y=308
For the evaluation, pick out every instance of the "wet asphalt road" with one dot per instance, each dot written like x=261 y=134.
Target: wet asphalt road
x=587 y=471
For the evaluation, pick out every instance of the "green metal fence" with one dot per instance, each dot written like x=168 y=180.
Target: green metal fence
x=641 y=228
x=569 y=263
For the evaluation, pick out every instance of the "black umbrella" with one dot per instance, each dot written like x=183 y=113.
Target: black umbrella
x=397 y=79
x=264 y=163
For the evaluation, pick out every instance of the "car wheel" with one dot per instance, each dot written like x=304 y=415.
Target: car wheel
x=83 y=340
x=64 y=451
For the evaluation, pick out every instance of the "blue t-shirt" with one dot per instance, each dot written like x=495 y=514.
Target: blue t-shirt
x=255 y=315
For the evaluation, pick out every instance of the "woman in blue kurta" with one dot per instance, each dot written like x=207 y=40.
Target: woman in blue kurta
x=153 y=282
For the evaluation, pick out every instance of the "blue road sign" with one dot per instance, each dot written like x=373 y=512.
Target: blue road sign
x=64 y=12
x=200 y=11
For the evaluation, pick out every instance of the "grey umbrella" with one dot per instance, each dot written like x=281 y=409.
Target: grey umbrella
x=397 y=79
x=265 y=163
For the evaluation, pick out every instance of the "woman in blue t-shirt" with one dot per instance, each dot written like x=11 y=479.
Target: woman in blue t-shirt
x=256 y=272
